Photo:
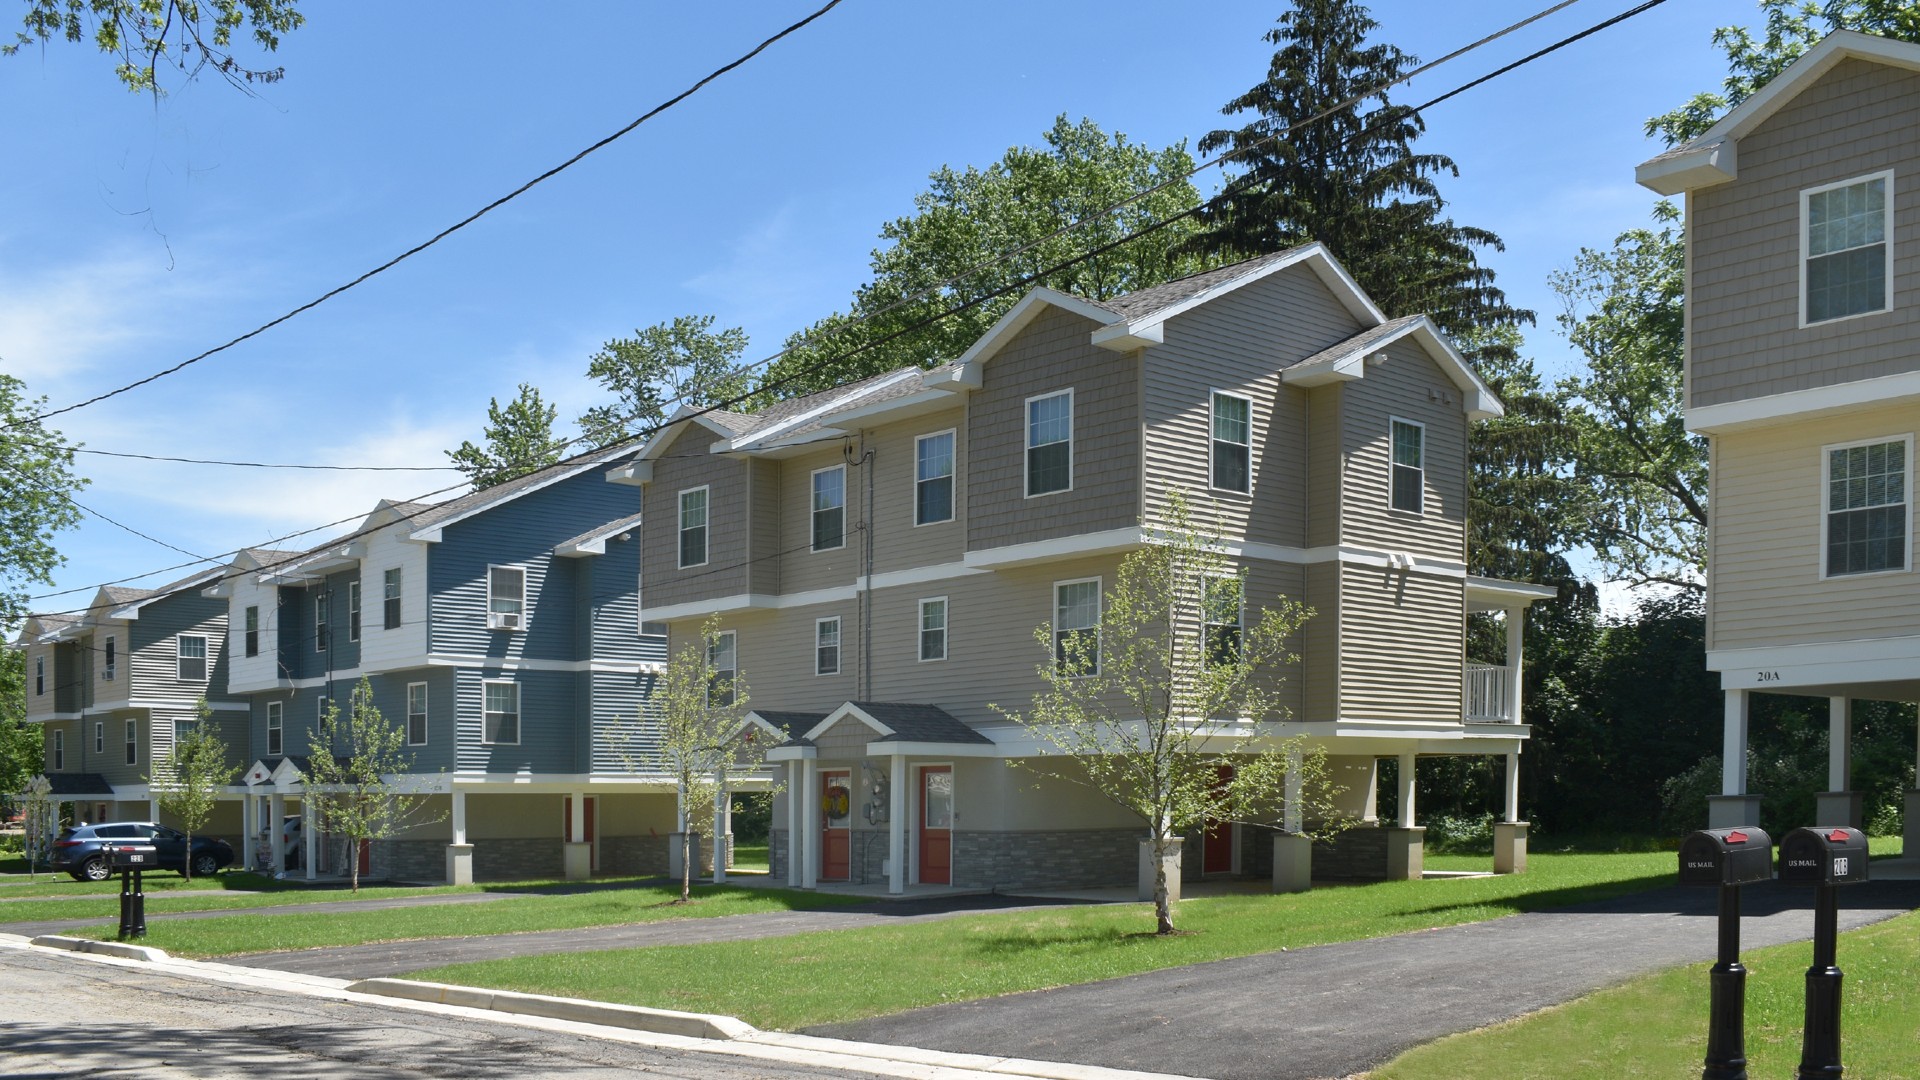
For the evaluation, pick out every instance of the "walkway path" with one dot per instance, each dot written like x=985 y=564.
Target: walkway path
x=1336 y=1010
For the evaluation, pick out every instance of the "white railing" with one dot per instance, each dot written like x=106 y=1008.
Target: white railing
x=1489 y=694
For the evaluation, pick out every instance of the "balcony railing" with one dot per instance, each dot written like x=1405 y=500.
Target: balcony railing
x=1490 y=695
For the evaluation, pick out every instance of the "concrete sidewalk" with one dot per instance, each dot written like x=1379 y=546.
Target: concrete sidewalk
x=1336 y=1010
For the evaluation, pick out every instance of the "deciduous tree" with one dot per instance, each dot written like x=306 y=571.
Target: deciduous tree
x=187 y=35
x=37 y=483
x=360 y=777
x=519 y=440
x=188 y=782
x=660 y=369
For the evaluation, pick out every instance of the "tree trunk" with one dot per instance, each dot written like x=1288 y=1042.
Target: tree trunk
x=353 y=859
x=1162 y=903
x=188 y=871
x=686 y=865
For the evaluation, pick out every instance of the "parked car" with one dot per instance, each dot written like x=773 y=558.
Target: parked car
x=79 y=850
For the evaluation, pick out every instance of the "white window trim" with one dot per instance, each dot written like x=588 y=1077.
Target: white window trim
x=1099 y=623
x=1238 y=574
x=321 y=641
x=320 y=711
x=1211 y=394
x=953 y=486
x=484 y=741
x=680 y=527
x=132 y=747
x=1806 y=195
x=1392 y=509
x=205 y=657
x=110 y=659
x=838 y=645
x=733 y=673
x=40 y=676
x=276 y=711
x=425 y=712
x=353 y=611
x=100 y=737
x=814 y=512
x=1026 y=445
x=946 y=628
x=253 y=611
x=1826 y=495
x=398 y=600
x=522 y=618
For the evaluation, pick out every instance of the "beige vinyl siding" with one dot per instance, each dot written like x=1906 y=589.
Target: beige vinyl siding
x=100 y=693
x=1320 y=644
x=1746 y=340
x=897 y=543
x=992 y=795
x=803 y=569
x=1408 y=386
x=763 y=485
x=1052 y=353
x=686 y=464
x=1324 y=465
x=1238 y=344
x=1401 y=645
x=1767 y=551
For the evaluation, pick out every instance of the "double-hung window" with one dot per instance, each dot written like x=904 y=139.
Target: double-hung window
x=353 y=611
x=1222 y=606
x=722 y=665
x=416 y=714
x=826 y=646
x=1050 y=443
x=1076 y=627
x=501 y=721
x=506 y=597
x=693 y=527
x=99 y=736
x=1232 y=453
x=933 y=478
x=830 y=508
x=1867 y=507
x=1847 y=250
x=252 y=641
x=133 y=742
x=1409 y=466
x=58 y=751
x=390 y=599
x=109 y=660
x=322 y=637
x=933 y=628
x=190 y=657
x=321 y=707
x=39 y=676
x=275 y=728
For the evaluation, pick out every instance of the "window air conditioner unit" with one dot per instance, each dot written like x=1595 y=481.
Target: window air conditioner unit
x=499 y=620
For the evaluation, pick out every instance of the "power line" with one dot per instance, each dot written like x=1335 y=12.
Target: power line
x=240 y=464
x=451 y=229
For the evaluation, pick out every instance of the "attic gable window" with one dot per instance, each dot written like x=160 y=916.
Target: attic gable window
x=1846 y=249
x=506 y=597
x=1409 y=466
x=1050 y=443
x=1232 y=450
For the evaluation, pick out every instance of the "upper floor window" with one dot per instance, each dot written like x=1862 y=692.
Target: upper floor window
x=1076 y=626
x=1409 y=466
x=1867 y=507
x=826 y=646
x=933 y=628
x=275 y=728
x=39 y=675
x=1847 y=254
x=322 y=706
x=190 y=657
x=506 y=597
x=1222 y=605
x=724 y=664
x=501 y=723
x=1050 y=443
x=1232 y=442
x=693 y=528
x=109 y=660
x=390 y=599
x=416 y=714
x=353 y=611
x=830 y=508
x=253 y=631
x=933 y=478
x=99 y=736
x=133 y=742
x=57 y=751
x=322 y=637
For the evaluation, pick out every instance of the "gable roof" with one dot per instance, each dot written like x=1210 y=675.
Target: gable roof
x=427 y=525
x=1713 y=157
x=1347 y=360
x=896 y=721
x=594 y=540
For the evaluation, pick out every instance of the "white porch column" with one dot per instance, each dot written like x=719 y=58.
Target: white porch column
x=277 y=836
x=897 y=826
x=726 y=826
x=153 y=809
x=810 y=823
x=1516 y=661
x=459 y=852
x=1406 y=790
x=576 y=857
x=309 y=835
x=1513 y=786
x=1839 y=744
x=1510 y=835
x=719 y=845
x=1734 y=806
x=459 y=816
x=794 y=851
x=249 y=833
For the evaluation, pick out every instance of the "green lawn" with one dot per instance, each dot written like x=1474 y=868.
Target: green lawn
x=1656 y=1026
x=751 y=858
x=806 y=979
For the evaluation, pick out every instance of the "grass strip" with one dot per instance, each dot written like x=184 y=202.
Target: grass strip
x=1656 y=1025
x=806 y=979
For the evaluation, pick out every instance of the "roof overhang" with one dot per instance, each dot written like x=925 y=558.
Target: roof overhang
x=132 y=611
x=1494 y=594
x=1342 y=365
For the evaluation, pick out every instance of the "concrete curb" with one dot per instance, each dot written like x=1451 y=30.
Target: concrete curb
x=661 y=1021
x=104 y=948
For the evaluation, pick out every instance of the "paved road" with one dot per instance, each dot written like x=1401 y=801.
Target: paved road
x=1336 y=1010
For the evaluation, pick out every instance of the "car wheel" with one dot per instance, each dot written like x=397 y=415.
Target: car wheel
x=95 y=869
x=205 y=865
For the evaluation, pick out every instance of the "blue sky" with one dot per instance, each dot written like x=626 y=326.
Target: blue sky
x=140 y=235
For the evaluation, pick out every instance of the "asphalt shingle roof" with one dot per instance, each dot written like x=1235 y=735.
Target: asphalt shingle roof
x=1364 y=340
x=1146 y=301
x=919 y=723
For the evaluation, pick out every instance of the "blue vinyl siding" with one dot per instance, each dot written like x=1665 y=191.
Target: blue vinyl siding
x=625 y=721
x=616 y=602
x=548 y=739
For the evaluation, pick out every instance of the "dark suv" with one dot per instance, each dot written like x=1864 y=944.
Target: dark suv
x=79 y=850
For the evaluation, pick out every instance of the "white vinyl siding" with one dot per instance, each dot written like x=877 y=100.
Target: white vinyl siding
x=1409 y=455
x=1076 y=626
x=276 y=729
x=1867 y=507
x=417 y=714
x=933 y=629
x=1050 y=443
x=723 y=659
x=353 y=611
x=252 y=640
x=826 y=646
x=1846 y=249
x=501 y=719
x=830 y=508
x=693 y=527
x=506 y=598
x=390 y=599
x=1230 y=454
x=933 y=478
x=190 y=657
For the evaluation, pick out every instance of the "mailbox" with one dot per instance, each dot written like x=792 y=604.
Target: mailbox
x=1726 y=857
x=131 y=856
x=1823 y=855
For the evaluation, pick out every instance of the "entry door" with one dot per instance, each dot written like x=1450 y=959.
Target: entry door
x=836 y=814
x=1216 y=856
x=566 y=828
x=936 y=825
x=366 y=857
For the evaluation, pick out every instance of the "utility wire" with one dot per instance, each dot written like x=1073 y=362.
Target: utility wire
x=239 y=464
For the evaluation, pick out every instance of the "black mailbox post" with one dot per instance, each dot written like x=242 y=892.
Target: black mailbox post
x=1727 y=858
x=1825 y=856
x=131 y=860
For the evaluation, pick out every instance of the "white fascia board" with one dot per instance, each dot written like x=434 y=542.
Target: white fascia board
x=765 y=435
x=1803 y=404
x=637 y=473
x=314 y=565
x=841 y=713
x=1128 y=336
x=793 y=753
x=131 y=612
x=748 y=602
x=925 y=401
x=933 y=749
x=668 y=431
x=1705 y=165
x=1830 y=664
x=966 y=369
x=1480 y=404
x=1501 y=593
x=1094 y=543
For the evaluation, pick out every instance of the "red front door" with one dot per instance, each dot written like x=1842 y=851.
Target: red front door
x=936 y=825
x=366 y=857
x=566 y=829
x=1216 y=856
x=836 y=835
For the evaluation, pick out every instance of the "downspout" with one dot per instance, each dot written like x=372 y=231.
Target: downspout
x=866 y=587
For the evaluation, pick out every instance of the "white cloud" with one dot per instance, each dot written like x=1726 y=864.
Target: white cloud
x=62 y=322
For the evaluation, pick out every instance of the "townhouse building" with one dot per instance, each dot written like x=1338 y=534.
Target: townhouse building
x=1803 y=375
x=880 y=555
